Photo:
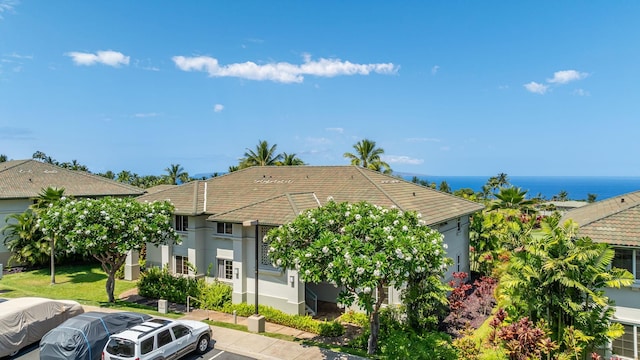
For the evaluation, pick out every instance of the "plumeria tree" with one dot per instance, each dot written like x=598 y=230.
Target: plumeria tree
x=362 y=248
x=108 y=228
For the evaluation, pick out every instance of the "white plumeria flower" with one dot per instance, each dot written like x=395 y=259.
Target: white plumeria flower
x=360 y=270
x=325 y=249
x=445 y=246
x=367 y=290
x=376 y=272
x=405 y=228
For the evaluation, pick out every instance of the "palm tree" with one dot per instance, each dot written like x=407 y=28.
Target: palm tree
x=562 y=196
x=233 y=168
x=25 y=241
x=512 y=198
x=49 y=196
x=444 y=187
x=174 y=173
x=367 y=155
x=3 y=158
x=290 y=160
x=124 y=176
x=264 y=155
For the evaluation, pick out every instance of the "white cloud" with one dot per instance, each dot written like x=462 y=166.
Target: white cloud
x=218 y=108
x=536 y=88
x=566 y=76
x=145 y=115
x=317 y=141
x=282 y=72
x=434 y=70
x=413 y=140
x=108 y=57
x=339 y=130
x=7 y=6
x=581 y=92
x=401 y=159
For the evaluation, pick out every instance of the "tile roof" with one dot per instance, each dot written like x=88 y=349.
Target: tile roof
x=20 y=179
x=614 y=221
x=279 y=193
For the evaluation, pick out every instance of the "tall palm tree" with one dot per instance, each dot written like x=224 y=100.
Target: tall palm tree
x=290 y=160
x=264 y=155
x=368 y=155
x=174 y=173
x=124 y=176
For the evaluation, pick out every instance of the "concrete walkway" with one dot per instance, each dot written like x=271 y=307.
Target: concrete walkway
x=251 y=344
x=260 y=346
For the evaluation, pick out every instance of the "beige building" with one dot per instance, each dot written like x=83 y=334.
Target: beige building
x=616 y=221
x=21 y=181
x=210 y=214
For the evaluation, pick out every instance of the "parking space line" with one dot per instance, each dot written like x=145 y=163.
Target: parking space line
x=216 y=355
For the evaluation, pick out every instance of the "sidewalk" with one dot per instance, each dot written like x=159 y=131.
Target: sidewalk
x=263 y=347
x=251 y=344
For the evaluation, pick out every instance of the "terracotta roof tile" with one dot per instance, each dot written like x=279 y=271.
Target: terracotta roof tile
x=256 y=191
x=614 y=221
x=20 y=179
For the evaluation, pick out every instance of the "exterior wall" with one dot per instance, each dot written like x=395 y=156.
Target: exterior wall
x=626 y=296
x=8 y=207
x=278 y=288
x=457 y=240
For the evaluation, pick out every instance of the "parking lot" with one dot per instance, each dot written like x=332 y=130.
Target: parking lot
x=33 y=353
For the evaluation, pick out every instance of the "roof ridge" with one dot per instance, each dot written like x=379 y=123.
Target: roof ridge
x=616 y=199
x=286 y=194
x=361 y=170
x=17 y=163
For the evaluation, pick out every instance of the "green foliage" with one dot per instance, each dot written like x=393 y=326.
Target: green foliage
x=406 y=344
x=26 y=242
x=107 y=228
x=301 y=322
x=368 y=155
x=560 y=278
x=214 y=296
x=363 y=248
x=356 y=318
x=264 y=155
x=159 y=283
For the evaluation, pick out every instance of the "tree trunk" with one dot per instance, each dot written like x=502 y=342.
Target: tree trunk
x=53 y=262
x=110 y=286
x=374 y=325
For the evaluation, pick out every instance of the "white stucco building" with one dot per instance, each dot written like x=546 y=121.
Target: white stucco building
x=616 y=221
x=209 y=217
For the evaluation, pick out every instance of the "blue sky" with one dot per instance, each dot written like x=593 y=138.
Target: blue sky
x=445 y=88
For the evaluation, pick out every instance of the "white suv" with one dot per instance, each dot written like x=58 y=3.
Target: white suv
x=158 y=339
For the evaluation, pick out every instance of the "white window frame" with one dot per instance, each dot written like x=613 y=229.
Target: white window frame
x=385 y=301
x=181 y=223
x=635 y=253
x=635 y=342
x=227 y=228
x=184 y=261
x=227 y=264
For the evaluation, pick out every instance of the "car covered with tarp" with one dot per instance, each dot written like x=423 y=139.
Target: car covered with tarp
x=84 y=336
x=23 y=321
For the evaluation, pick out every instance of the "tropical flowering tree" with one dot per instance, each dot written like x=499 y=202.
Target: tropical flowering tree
x=363 y=248
x=108 y=228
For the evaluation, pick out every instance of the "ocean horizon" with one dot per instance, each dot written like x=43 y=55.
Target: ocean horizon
x=577 y=187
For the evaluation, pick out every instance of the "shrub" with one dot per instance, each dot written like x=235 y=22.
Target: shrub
x=356 y=318
x=301 y=322
x=214 y=296
x=159 y=283
x=331 y=328
x=406 y=344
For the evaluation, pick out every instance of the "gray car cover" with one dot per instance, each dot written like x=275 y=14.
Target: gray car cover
x=84 y=336
x=23 y=321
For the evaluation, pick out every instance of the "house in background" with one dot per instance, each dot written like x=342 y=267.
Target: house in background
x=616 y=221
x=209 y=217
x=21 y=181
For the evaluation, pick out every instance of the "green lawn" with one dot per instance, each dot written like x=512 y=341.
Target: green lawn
x=82 y=283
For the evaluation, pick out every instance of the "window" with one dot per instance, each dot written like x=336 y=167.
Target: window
x=182 y=223
x=180 y=331
x=164 y=338
x=265 y=260
x=182 y=265
x=225 y=228
x=627 y=344
x=225 y=269
x=385 y=295
x=628 y=259
x=146 y=346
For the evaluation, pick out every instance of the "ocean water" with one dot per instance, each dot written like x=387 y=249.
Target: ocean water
x=577 y=187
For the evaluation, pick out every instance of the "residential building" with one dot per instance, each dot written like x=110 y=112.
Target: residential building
x=616 y=221
x=209 y=217
x=21 y=181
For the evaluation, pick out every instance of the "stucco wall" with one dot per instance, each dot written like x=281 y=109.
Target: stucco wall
x=626 y=296
x=8 y=207
x=457 y=240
